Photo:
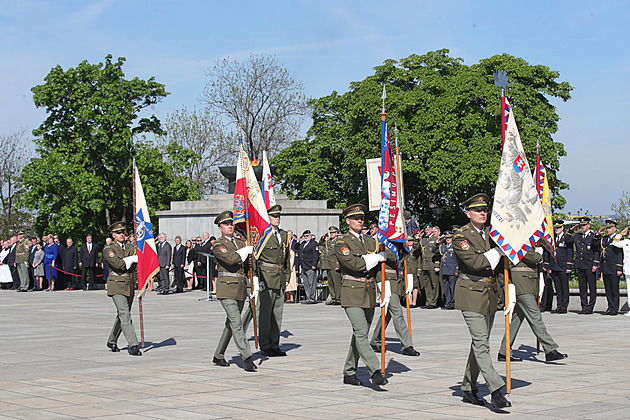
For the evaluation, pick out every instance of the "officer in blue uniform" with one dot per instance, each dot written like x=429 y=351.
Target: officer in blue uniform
x=609 y=260
x=560 y=267
x=584 y=263
x=448 y=267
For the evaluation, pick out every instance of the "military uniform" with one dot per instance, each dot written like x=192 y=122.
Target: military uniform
x=584 y=263
x=232 y=290
x=558 y=267
x=274 y=270
x=358 y=295
x=22 y=251
x=121 y=286
x=524 y=276
x=609 y=260
x=430 y=279
x=328 y=261
x=448 y=269
x=476 y=296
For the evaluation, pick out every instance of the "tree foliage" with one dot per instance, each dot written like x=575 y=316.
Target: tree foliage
x=81 y=181
x=259 y=95
x=203 y=137
x=14 y=155
x=447 y=114
x=621 y=209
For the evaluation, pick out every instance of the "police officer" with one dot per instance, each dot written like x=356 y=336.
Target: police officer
x=358 y=260
x=524 y=277
x=232 y=266
x=476 y=296
x=560 y=267
x=584 y=262
x=609 y=260
x=328 y=261
x=275 y=271
x=121 y=285
x=448 y=267
x=22 y=251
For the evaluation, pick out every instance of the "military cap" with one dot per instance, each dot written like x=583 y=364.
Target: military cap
x=448 y=234
x=417 y=232
x=306 y=232
x=20 y=232
x=373 y=225
x=558 y=223
x=585 y=220
x=610 y=223
x=118 y=227
x=477 y=201
x=428 y=225
x=455 y=227
x=333 y=229
x=410 y=238
x=355 y=210
x=274 y=210
x=226 y=216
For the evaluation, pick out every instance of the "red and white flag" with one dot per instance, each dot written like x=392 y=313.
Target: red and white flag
x=148 y=264
x=267 y=183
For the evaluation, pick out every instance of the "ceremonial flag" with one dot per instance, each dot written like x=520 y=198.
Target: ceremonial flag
x=545 y=201
x=267 y=184
x=148 y=264
x=391 y=227
x=517 y=214
x=249 y=204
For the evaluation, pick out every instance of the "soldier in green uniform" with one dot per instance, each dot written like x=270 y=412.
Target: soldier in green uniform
x=121 y=285
x=524 y=276
x=395 y=309
x=274 y=272
x=476 y=296
x=358 y=260
x=328 y=261
x=414 y=261
x=232 y=266
x=430 y=279
x=22 y=251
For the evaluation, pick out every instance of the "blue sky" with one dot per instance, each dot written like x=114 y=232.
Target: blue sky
x=328 y=44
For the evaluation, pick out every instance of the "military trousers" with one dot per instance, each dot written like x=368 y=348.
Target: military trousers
x=271 y=308
x=123 y=321
x=334 y=285
x=433 y=289
x=587 y=279
x=395 y=312
x=449 y=281
x=226 y=335
x=360 y=318
x=561 y=283
x=546 y=300
x=22 y=269
x=611 y=287
x=479 y=360
x=233 y=329
x=527 y=308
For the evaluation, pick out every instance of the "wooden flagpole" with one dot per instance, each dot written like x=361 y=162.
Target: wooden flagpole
x=383 y=310
x=536 y=181
x=135 y=229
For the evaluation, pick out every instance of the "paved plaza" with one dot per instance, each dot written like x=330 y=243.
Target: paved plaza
x=54 y=364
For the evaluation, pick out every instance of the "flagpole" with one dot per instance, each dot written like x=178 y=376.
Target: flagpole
x=382 y=249
x=536 y=182
x=401 y=199
x=135 y=229
x=501 y=81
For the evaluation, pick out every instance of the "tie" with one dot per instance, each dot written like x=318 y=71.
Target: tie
x=123 y=246
x=89 y=248
x=361 y=238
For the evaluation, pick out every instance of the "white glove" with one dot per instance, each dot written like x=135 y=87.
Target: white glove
x=372 y=259
x=385 y=297
x=130 y=260
x=244 y=252
x=511 y=301
x=254 y=294
x=541 y=286
x=409 y=284
x=539 y=250
x=493 y=256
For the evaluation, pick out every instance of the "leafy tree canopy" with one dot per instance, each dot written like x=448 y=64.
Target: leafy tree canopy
x=447 y=114
x=81 y=182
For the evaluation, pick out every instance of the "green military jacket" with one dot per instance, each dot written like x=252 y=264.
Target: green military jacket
x=327 y=258
x=416 y=257
x=121 y=281
x=358 y=288
x=524 y=275
x=274 y=262
x=412 y=268
x=232 y=272
x=396 y=279
x=428 y=258
x=473 y=291
x=21 y=251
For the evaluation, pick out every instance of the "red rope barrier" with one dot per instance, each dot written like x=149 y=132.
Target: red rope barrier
x=75 y=275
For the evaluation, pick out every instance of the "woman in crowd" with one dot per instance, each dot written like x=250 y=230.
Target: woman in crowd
x=50 y=262
x=623 y=241
x=6 y=281
x=292 y=286
x=38 y=267
x=189 y=267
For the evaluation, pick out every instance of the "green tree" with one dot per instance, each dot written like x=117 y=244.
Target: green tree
x=15 y=152
x=81 y=181
x=621 y=209
x=448 y=117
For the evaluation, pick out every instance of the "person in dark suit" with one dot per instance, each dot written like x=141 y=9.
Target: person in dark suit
x=31 y=256
x=609 y=260
x=11 y=263
x=165 y=256
x=560 y=267
x=308 y=252
x=88 y=260
x=584 y=262
x=179 y=261
x=69 y=263
x=202 y=264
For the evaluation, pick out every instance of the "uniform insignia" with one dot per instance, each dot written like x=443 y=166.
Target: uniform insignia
x=110 y=253
x=345 y=250
x=464 y=245
x=458 y=235
x=223 y=249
